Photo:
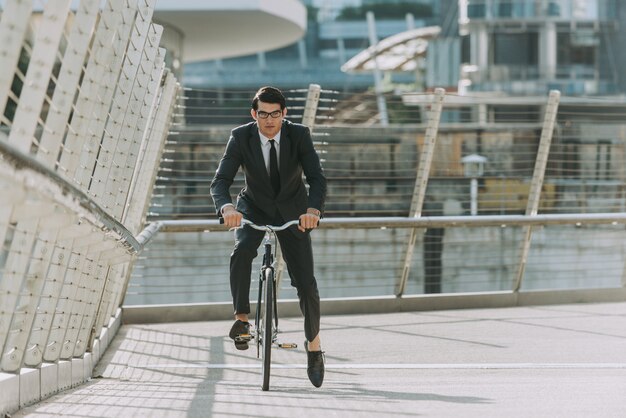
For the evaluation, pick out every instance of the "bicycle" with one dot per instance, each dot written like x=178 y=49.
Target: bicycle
x=266 y=319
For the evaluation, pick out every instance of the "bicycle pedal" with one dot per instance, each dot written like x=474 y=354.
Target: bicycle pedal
x=287 y=345
x=243 y=338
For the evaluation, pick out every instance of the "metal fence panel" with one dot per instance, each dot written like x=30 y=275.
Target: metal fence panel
x=77 y=90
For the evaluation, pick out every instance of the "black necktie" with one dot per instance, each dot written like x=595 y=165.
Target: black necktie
x=274 y=176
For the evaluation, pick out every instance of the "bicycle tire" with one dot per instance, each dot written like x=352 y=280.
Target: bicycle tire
x=268 y=311
x=258 y=325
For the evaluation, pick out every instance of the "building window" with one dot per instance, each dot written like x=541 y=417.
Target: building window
x=516 y=49
x=575 y=49
x=522 y=114
x=350 y=43
x=355 y=43
x=328 y=44
x=466 y=49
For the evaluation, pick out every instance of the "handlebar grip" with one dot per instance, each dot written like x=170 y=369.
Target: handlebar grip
x=245 y=221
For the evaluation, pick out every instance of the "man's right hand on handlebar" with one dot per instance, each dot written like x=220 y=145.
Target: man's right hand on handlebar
x=232 y=218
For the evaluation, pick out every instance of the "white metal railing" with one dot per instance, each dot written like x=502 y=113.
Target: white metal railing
x=372 y=170
x=82 y=140
x=551 y=183
x=86 y=104
x=187 y=261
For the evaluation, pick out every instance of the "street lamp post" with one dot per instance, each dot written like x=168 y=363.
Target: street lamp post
x=473 y=167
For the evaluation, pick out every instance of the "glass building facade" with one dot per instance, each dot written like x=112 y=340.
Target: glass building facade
x=531 y=46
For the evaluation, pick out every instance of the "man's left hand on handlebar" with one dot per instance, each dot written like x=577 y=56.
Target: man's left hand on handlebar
x=309 y=220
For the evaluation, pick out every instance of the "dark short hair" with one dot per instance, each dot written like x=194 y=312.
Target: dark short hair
x=268 y=94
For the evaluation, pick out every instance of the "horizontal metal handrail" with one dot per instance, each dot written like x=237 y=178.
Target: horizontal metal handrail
x=19 y=160
x=196 y=225
x=213 y=225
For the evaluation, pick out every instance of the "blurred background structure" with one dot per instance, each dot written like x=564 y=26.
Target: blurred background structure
x=474 y=149
x=489 y=133
x=517 y=47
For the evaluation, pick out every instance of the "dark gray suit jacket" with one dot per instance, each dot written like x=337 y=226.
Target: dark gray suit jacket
x=257 y=200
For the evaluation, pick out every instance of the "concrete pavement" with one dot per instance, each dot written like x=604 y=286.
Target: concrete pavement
x=543 y=361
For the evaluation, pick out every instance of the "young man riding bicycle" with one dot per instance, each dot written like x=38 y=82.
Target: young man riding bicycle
x=273 y=153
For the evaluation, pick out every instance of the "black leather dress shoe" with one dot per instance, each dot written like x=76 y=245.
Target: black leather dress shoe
x=315 y=365
x=240 y=333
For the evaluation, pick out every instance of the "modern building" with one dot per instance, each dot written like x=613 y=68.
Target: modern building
x=332 y=38
x=519 y=47
x=528 y=47
x=201 y=30
x=204 y=30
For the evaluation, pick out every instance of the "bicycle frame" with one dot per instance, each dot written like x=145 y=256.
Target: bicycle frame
x=266 y=319
x=268 y=263
x=267 y=272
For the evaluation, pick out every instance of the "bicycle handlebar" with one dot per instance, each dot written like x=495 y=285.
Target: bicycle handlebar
x=267 y=228
x=270 y=227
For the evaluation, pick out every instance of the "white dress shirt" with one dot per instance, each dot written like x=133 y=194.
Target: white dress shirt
x=266 y=147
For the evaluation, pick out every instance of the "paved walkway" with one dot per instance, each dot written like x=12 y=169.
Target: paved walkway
x=548 y=361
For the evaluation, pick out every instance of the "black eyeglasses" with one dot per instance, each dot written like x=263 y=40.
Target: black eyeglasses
x=264 y=115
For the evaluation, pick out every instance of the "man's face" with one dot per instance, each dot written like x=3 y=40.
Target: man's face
x=269 y=117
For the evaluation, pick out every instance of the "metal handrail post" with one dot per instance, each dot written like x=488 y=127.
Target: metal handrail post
x=624 y=276
x=419 y=191
x=14 y=23
x=534 y=194
x=378 y=76
x=311 y=105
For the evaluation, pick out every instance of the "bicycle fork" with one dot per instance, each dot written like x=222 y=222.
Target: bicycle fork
x=268 y=261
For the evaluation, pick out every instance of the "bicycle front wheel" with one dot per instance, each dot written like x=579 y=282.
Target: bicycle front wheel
x=268 y=311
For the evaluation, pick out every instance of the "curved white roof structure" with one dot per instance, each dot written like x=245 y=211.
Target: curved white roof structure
x=395 y=53
x=223 y=29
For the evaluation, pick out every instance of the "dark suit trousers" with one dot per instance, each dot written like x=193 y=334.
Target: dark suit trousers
x=298 y=255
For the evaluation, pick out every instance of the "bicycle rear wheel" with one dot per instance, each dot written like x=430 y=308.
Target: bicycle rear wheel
x=268 y=311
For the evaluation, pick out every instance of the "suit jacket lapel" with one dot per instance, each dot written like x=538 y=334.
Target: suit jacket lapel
x=257 y=153
x=285 y=152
